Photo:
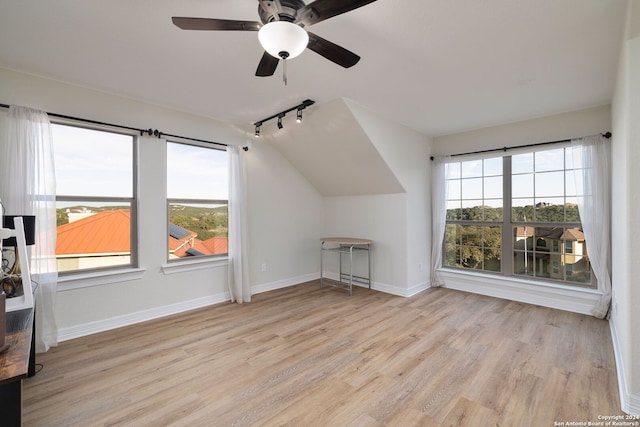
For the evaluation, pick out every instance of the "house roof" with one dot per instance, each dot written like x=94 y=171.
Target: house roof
x=101 y=233
x=108 y=232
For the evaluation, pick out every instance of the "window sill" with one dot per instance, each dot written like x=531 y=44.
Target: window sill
x=194 y=264
x=98 y=278
x=562 y=297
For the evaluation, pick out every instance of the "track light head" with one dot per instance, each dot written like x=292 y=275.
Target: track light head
x=299 y=115
x=258 y=130
x=280 y=121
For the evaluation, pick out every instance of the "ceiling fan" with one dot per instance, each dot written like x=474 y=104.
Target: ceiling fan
x=281 y=30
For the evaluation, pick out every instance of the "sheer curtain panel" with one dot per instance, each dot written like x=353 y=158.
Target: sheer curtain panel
x=592 y=164
x=27 y=187
x=438 y=216
x=238 y=271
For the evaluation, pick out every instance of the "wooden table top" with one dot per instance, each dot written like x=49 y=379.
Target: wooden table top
x=346 y=241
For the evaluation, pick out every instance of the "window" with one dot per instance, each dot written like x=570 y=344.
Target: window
x=532 y=230
x=473 y=235
x=95 y=201
x=197 y=199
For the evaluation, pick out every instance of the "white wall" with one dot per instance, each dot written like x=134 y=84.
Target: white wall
x=285 y=214
x=557 y=127
x=398 y=224
x=625 y=316
x=407 y=153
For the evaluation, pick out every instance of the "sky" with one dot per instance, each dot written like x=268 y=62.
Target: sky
x=96 y=163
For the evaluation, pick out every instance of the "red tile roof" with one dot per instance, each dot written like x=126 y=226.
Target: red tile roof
x=108 y=232
x=101 y=233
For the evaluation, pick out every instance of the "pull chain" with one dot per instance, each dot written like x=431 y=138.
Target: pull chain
x=284 y=55
x=284 y=71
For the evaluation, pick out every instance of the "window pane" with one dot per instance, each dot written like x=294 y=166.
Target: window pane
x=549 y=184
x=472 y=210
x=493 y=210
x=493 y=166
x=522 y=185
x=550 y=210
x=453 y=190
x=472 y=169
x=196 y=172
x=522 y=163
x=493 y=187
x=472 y=188
x=453 y=170
x=196 y=230
x=454 y=210
x=92 y=163
x=549 y=160
x=93 y=235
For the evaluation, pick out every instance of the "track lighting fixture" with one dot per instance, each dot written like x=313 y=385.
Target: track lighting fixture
x=304 y=104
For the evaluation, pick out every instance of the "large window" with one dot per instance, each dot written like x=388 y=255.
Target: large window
x=197 y=199
x=95 y=201
x=517 y=215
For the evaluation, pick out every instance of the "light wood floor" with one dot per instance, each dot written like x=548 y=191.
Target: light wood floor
x=311 y=356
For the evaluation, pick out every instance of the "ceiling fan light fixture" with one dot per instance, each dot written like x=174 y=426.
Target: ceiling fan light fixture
x=283 y=39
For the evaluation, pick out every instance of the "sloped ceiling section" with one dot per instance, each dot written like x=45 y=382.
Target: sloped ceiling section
x=332 y=151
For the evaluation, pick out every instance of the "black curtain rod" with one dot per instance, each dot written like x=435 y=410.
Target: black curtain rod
x=150 y=132
x=492 y=150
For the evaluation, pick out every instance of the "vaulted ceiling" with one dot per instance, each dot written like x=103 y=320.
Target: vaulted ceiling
x=436 y=66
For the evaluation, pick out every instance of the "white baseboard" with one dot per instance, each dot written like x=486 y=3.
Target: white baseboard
x=629 y=402
x=94 y=327
x=384 y=287
x=279 y=284
x=77 y=331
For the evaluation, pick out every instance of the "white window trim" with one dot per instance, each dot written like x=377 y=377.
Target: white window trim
x=546 y=294
x=197 y=263
x=81 y=280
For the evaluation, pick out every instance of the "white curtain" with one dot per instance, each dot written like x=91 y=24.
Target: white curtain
x=28 y=187
x=592 y=163
x=438 y=216
x=238 y=274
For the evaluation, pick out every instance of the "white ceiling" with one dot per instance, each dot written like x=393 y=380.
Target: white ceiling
x=437 y=66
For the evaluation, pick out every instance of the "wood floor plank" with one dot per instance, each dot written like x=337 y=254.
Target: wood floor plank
x=313 y=356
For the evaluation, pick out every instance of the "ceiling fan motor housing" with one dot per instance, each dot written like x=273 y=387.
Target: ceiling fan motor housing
x=289 y=11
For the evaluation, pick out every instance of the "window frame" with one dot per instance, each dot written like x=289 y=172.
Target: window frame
x=133 y=201
x=190 y=201
x=507 y=226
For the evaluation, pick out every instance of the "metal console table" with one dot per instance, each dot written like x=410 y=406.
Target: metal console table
x=345 y=246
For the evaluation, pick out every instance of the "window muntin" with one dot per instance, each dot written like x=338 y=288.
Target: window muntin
x=197 y=201
x=543 y=232
x=95 y=200
x=474 y=211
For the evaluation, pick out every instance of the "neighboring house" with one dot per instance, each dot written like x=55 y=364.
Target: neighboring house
x=556 y=251
x=103 y=239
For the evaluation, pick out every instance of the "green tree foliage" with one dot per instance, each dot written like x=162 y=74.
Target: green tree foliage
x=206 y=222
x=478 y=246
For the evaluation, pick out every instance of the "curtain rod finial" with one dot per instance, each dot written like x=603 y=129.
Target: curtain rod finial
x=607 y=135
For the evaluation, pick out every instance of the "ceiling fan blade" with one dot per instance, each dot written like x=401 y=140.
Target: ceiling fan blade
x=332 y=51
x=272 y=7
x=267 y=65
x=320 y=10
x=210 y=24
